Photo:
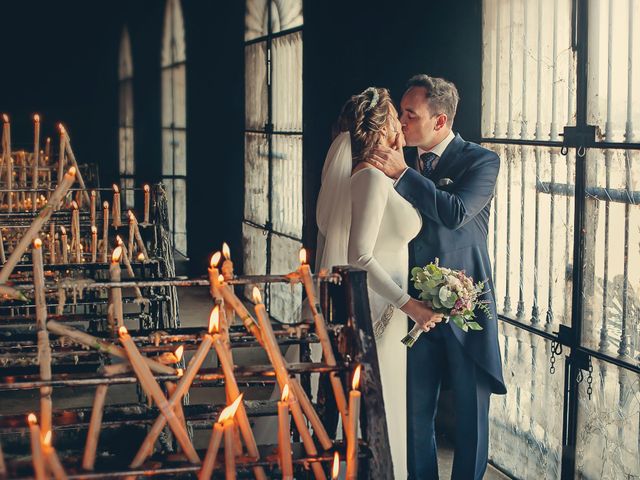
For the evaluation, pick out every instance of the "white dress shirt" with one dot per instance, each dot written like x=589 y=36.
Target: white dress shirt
x=438 y=150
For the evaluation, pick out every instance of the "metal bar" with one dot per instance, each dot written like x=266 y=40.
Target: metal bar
x=272 y=35
x=507 y=288
x=546 y=143
x=552 y=217
x=605 y=273
x=535 y=311
x=597 y=193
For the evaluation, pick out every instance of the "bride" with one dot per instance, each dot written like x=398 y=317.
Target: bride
x=374 y=235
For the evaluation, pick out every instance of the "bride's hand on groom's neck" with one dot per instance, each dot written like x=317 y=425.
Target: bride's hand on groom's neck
x=389 y=160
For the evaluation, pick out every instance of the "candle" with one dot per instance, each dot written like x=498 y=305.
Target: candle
x=172 y=357
x=44 y=348
x=141 y=257
x=3 y=258
x=216 y=438
x=6 y=137
x=75 y=231
x=275 y=356
x=214 y=290
x=335 y=470
x=37 y=457
x=116 y=206
x=352 y=428
x=284 y=435
x=321 y=331
x=37 y=224
x=136 y=232
x=181 y=389
x=227 y=273
x=61 y=162
x=231 y=299
x=52 y=458
x=92 y=207
x=52 y=242
x=94 y=244
x=36 y=159
x=132 y=229
x=105 y=230
x=115 y=308
x=10 y=192
x=153 y=390
x=146 y=204
x=47 y=149
x=72 y=158
x=3 y=465
x=63 y=245
x=93 y=434
x=127 y=264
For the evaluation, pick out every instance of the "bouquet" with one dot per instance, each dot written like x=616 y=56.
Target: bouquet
x=450 y=292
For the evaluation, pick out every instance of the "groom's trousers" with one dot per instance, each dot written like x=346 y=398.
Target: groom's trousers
x=434 y=354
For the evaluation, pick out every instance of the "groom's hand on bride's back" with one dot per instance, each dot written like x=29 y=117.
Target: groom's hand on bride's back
x=390 y=160
x=420 y=313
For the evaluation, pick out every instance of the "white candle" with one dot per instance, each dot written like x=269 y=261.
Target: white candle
x=105 y=230
x=352 y=428
x=146 y=204
x=37 y=457
x=94 y=243
x=116 y=206
x=92 y=207
x=61 y=162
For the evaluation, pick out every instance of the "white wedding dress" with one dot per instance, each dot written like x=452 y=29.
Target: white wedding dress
x=382 y=224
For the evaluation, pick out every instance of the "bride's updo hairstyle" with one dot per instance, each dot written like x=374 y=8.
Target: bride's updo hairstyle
x=364 y=116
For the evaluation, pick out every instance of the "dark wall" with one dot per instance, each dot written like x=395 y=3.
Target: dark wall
x=63 y=64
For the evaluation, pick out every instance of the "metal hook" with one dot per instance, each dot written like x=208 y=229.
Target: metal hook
x=582 y=151
x=564 y=150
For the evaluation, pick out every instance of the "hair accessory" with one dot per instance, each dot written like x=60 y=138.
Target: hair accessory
x=375 y=96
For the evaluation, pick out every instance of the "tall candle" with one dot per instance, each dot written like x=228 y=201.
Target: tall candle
x=284 y=436
x=6 y=137
x=93 y=434
x=146 y=204
x=116 y=206
x=105 y=231
x=151 y=387
x=227 y=272
x=61 y=162
x=44 y=348
x=352 y=428
x=335 y=470
x=63 y=245
x=52 y=458
x=52 y=243
x=92 y=207
x=132 y=233
x=2 y=254
x=216 y=438
x=136 y=233
x=323 y=335
x=36 y=160
x=75 y=231
x=47 y=150
x=37 y=457
x=94 y=244
x=229 y=450
x=115 y=309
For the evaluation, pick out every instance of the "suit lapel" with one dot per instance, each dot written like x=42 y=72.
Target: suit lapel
x=449 y=159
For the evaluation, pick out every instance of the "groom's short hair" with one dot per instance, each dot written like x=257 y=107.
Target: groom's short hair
x=442 y=95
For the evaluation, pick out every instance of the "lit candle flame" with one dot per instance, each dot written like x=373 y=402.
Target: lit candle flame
x=5 y=117
x=141 y=257
x=179 y=351
x=47 y=439
x=115 y=256
x=225 y=251
x=132 y=217
x=105 y=205
x=356 y=378
x=74 y=205
x=93 y=193
x=215 y=259
x=303 y=256
x=72 y=171
x=32 y=419
x=36 y=118
x=220 y=279
x=37 y=243
x=230 y=411
x=146 y=188
x=214 y=320
x=62 y=130
x=94 y=229
x=180 y=372
x=285 y=393
x=336 y=466
x=64 y=230
x=257 y=298
x=122 y=330
x=119 y=240
x=115 y=188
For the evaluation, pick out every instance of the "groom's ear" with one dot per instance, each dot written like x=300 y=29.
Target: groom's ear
x=441 y=121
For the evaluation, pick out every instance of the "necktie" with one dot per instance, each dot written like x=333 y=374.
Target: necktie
x=427 y=160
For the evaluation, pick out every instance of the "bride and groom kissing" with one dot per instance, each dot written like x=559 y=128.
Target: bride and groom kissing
x=407 y=208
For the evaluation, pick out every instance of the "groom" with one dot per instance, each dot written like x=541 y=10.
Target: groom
x=451 y=182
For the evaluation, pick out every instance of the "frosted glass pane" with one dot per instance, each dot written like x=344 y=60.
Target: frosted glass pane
x=173 y=46
x=256 y=86
x=180 y=215
x=614 y=68
x=256 y=178
x=179 y=96
x=180 y=152
x=611 y=271
x=287 y=83
x=126 y=103
x=167 y=98
x=255 y=19
x=127 y=186
x=528 y=84
x=531 y=234
x=168 y=182
x=126 y=151
x=125 y=65
x=167 y=151
x=286 y=14
x=254 y=253
x=285 y=299
x=608 y=427
x=287 y=184
x=526 y=423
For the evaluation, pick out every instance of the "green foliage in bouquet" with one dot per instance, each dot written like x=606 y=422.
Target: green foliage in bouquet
x=452 y=293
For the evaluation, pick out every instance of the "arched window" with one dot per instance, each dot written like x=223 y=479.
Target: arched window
x=272 y=227
x=125 y=122
x=174 y=122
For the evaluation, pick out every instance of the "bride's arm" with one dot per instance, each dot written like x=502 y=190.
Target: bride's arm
x=369 y=194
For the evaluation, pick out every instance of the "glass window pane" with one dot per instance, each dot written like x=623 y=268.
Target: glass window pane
x=255 y=19
x=531 y=234
x=254 y=251
x=167 y=98
x=287 y=83
x=129 y=196
x=526 y=424
x=125 y=65
x=286 y=14
x=126 y=103
x=167 y=151
x=256 y=178
x=285 y=300
x=256 y=86
x=180 y=152
x=529 y=69
x=126 y=151
x=179 y=96
x=287 y=185
x=173 y=46
x=168 y=183
x=608 y=427
x=611 y=311
x=180 y=214
x=614 y=68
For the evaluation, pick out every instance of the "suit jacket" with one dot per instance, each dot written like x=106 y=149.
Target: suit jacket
x=455 y=223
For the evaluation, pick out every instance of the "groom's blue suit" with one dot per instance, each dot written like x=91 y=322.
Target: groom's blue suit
x=455 y=222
